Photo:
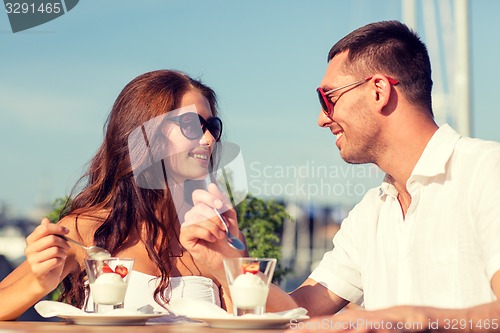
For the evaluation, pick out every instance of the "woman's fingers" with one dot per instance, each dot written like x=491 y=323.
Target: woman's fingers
x=195 y=233
x=45 y=251
x=221 y=200
x=47 y=260
x=46 y=228
x=212 y=197
x=207 y=205
x=46 y=254
x=46 y=243
x=204 y=217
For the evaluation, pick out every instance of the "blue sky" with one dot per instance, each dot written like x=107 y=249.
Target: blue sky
x=264 y=58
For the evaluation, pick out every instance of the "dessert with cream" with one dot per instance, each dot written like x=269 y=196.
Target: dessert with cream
x=248 y=291
x=100 y=256
x=109 y=288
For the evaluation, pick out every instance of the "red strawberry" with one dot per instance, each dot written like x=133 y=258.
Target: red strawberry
x=251 y=268
x=121 y=270
x=107 y=269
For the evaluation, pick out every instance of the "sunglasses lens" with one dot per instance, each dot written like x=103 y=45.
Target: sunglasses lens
x=325 y=105
x=214 y=126
x=191 y=126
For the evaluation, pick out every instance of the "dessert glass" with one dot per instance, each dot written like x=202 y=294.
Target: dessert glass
x=249 y=280
x=108 y=281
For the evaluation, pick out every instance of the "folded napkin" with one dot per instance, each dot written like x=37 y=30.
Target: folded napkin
x=49 y=309
x=202 y=309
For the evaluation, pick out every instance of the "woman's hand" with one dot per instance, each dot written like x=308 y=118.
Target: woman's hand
x=46 y=254
x=204 y=235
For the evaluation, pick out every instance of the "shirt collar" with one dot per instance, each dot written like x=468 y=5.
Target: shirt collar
x=433 y=160
x=437 y=152
x=387 y=187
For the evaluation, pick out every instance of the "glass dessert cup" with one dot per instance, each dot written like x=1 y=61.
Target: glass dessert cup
x=248 y=280
x=108 y=281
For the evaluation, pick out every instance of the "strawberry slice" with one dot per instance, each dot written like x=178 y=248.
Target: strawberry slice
x=251 y=268
x=121 y=270
x=107 y=269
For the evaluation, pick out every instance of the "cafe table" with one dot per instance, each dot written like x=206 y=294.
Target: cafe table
x=62 y=327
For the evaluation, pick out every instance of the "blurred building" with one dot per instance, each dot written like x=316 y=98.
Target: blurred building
x=13 y=232
x=307 y=235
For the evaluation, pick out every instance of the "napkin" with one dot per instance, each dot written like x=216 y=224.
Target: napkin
x=52 y=309
x=202 y=309
x=49 y=309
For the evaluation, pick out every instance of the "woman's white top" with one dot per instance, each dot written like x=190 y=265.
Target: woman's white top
x=141 y=288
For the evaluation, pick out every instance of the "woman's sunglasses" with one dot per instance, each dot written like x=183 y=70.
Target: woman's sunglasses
x=193 y=125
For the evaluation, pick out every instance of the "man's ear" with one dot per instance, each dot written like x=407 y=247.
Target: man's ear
x=382 y=90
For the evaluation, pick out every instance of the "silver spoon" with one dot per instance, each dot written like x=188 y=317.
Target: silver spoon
x=94 y=252
x=232 y=240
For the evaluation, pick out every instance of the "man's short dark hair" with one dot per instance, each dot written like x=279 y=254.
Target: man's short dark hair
x=393 y=49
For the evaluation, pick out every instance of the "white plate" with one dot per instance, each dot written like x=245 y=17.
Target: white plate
x=248 y=323
x=109 y=320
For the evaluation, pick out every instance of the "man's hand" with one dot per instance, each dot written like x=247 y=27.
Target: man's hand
x=393 y=320
x=481 y=318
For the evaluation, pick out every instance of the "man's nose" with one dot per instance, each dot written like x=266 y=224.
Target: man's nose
x=324 y=120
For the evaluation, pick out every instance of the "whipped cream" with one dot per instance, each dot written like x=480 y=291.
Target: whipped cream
x=109 y=289
x=248 y=291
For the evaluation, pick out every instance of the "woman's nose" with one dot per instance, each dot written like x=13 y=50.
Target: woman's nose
x=207 y=139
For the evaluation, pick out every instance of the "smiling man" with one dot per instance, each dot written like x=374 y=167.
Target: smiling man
x=429 y=236
x=422 y=250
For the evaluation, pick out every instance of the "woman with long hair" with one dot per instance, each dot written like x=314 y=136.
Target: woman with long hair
x=161 y=131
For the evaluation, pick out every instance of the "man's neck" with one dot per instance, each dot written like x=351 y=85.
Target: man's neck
x=407 y=145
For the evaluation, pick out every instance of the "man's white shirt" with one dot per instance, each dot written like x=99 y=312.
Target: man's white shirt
x=446 y=249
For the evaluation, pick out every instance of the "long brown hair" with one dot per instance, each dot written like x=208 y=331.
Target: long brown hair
x=110 y=185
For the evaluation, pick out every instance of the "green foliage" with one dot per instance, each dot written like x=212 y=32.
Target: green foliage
x=54 y=215
x=57 y=207
x=262 y=224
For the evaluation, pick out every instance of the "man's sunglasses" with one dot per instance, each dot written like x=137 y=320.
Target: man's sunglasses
x=324 y=96
x=193 y=125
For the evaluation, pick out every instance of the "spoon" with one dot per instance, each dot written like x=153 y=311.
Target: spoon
x=232 y=240
x=94 y=252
